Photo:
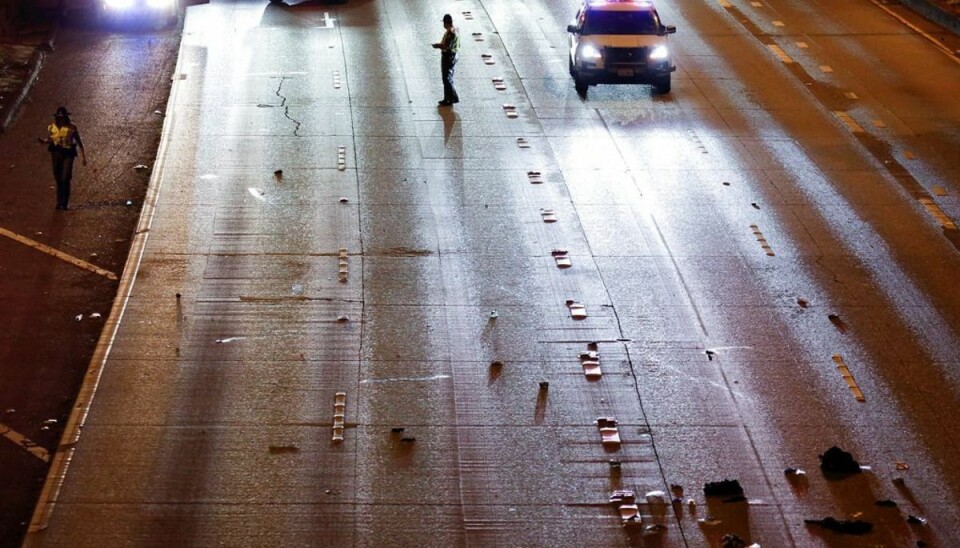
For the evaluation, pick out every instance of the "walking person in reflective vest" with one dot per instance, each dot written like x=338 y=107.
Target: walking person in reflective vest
x=63 y=143
x=449 y=47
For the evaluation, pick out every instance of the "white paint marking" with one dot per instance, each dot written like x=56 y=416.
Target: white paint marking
x=24 y=443
x=778 y=51
x=406 y=379
x=58 y=254
x=327 y=21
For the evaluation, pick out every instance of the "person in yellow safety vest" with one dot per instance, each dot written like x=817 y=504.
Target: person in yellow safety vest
x=449 y=47
x=63 y=143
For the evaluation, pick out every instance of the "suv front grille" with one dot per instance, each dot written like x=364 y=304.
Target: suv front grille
x=625 y=56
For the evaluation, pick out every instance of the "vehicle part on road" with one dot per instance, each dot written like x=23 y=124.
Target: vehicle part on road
x=625 y=502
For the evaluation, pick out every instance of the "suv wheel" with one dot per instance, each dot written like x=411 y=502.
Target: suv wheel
x=580 y=86
x=662 y=85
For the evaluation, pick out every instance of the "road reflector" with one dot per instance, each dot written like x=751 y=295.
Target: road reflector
x=577 y=310
x=548 y=215
x=511 y=110
x=488 y=59
x=536 y=178
x=523 y=143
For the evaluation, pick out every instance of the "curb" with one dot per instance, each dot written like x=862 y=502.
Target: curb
x=11 y=111
x=36 y=60
x=935 y=13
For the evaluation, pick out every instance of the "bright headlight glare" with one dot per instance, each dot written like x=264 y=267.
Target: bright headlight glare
x=160 y=3
x=659 y=53
x=589 y=52
x=118 y=4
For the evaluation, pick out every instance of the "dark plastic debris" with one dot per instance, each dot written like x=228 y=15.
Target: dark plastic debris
x=838 y=462
x=544 y=385
x=725 y=488
x=408 y=439
x=916 y=520
x=852 y=527
x=732 y=541
x=887 y=503
x=397 y=429
x=838 y=323
x=614 y=463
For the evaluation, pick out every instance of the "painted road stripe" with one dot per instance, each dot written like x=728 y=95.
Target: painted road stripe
x=58 y=254
x=851 y=95
x=763 y=241
x=778 y=24
x=826 y=68
x=938 y=214
x=778 y=51
x=725 y=5
x=848 y=377
x=851 y=124
x=25 y=443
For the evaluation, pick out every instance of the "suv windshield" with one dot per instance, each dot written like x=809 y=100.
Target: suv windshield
x=621 y=22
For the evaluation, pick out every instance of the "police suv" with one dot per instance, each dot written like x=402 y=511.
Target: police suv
x=619 y=42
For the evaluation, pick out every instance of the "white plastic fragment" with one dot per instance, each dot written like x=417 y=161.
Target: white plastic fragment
x=577 y=310
x=548 y=215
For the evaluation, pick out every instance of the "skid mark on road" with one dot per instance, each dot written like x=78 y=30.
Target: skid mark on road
x=58 y=254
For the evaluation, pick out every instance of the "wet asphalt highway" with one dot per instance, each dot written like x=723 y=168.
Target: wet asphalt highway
x=784 y=216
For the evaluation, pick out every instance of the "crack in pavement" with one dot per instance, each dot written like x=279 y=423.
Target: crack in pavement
x=286 y=109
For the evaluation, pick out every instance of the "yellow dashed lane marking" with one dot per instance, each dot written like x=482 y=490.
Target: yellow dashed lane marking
x=58 y=254
x=851 y=124
x=938 y=214
x=724 y=4
x=778 y=51
x=778 y=24
x=826 y=68
x=25 y=443
x=802 y=45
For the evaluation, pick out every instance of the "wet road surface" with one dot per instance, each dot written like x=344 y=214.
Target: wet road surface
x=751 y=253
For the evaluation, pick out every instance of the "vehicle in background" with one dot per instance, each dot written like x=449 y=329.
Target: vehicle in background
x=619 y=42
x=125 y=12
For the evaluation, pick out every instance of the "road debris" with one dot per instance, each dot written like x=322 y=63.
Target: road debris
x=609 y=431
x=625 y=502
x=726 y=488
x=916 y=520
x=838 y=323
x=837 y=462
x=851 y=527
x=886 y=503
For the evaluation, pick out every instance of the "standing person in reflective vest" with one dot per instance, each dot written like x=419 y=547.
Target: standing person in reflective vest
x=63 y=142
x=449 y=47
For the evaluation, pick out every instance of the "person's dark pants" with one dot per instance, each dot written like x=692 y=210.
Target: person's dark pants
x=62 y=172
x=448 y=61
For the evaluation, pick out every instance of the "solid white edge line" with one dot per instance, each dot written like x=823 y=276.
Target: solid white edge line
x=918 y=30
x=71 y=434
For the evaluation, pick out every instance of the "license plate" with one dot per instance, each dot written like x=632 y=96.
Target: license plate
x=625 y=73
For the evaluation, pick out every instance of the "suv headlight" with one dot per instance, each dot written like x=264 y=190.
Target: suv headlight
x=590 y=52
x=659 y=53
x=118 y=4
x=161 y=4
